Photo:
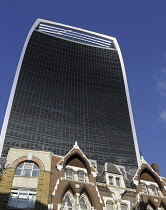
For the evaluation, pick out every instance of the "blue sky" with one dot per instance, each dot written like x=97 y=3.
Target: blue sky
x=140 y=28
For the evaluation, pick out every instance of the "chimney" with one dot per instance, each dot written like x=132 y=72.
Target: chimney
x=155 y=168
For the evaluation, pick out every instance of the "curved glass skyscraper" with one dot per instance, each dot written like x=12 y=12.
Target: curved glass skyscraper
x=71 y=85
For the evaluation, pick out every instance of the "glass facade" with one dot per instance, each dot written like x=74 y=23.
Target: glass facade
x=69 y=91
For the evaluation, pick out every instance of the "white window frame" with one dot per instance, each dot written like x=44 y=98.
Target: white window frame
x=109 y=202
x=76 y=170
x=124 y=205
x=79 y=177
x=149 y=189
x=155 y=191
x=71 y=198
x=144 y=188
x=68 y=176
x=118 y=181
x=111 y=180
x=23 y=169
x=87 y=203
x=114 y=181
x=17 y=195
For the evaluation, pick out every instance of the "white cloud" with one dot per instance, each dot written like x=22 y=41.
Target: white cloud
x=160 y=84
x=163 y=115
x=160 y=87
x=163 y=69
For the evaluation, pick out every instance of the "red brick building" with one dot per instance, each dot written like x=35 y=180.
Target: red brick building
x=41 y=180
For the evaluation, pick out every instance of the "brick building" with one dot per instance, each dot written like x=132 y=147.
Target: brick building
x=42 y=180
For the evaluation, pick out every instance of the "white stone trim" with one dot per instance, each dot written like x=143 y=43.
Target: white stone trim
x=98 y=194
x=29 y=156
x=108 y=199
x=59 y=167
x=74 y=168
x=149 y=183
x=94 y=174
x=55 y=188
x=128 y=101
x=50 y=206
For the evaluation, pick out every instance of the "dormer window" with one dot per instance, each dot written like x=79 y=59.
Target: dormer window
x=114 y=180
x=109 y=205
x=154 y=190
x=123 y=207
x=117 y=181
x=81 y=176
x=69 y=174
x=111 y=181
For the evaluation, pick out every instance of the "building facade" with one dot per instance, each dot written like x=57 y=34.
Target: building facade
x=41 y=180
x=71 y=85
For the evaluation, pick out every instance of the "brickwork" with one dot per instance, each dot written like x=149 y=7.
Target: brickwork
x=42 y=191
x=130 y=196
x=146 y=173
x=5 y=186
x=75 y=187
x=22 y=159
x=53 y=185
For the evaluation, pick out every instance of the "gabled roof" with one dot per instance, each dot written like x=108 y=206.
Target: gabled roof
x=78 y=152
x=148 y=174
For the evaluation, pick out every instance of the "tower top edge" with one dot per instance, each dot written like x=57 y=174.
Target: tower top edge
x=50 y=24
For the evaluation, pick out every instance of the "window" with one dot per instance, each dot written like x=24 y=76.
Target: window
x=22 y=198
x=154 y=190
x=27 y=169
x=68 y=202
x=123 y=207
x=149 y=208
x=111 y=182
x=83 y=205
x=144 y=188
x=69 y=174
x=109 y=205
x=117 y=181
x=81 y=176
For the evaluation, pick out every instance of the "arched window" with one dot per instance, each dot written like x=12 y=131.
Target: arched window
x=27 y=169
x=68 y=202
x=84 y=203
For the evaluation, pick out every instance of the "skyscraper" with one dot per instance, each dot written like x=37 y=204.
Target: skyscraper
x=70 y=85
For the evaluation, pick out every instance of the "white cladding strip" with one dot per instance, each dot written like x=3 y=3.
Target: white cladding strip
x=74 y=35
x=129 y=103
x=77 y=33
x=63 y=34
